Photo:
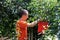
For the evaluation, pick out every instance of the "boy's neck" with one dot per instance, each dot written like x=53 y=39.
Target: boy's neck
x=22 y=19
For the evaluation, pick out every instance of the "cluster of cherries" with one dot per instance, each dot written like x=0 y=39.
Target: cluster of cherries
x=42 y=25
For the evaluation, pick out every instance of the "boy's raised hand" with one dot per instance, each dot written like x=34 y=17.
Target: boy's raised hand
x=41 y=19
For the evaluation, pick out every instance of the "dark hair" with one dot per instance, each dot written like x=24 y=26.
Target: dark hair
x=22 y=12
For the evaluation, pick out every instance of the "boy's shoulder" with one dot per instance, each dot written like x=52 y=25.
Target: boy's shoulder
x=19 y=21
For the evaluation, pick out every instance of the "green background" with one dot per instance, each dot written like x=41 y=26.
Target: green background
x=49 y=9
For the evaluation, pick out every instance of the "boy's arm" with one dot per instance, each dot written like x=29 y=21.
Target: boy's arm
x=17 y=32
x=33 y=23
x=17 y=29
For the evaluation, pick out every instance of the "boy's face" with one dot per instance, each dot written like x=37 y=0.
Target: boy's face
x=25 y=16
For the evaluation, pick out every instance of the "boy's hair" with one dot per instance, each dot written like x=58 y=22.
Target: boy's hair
x=22 y=12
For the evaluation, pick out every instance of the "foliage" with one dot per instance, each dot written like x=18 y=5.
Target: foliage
x=48 y=9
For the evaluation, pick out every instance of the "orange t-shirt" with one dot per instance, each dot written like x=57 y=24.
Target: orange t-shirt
x=22 y=27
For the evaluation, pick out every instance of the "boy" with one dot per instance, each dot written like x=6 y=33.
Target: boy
x=21 y=25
